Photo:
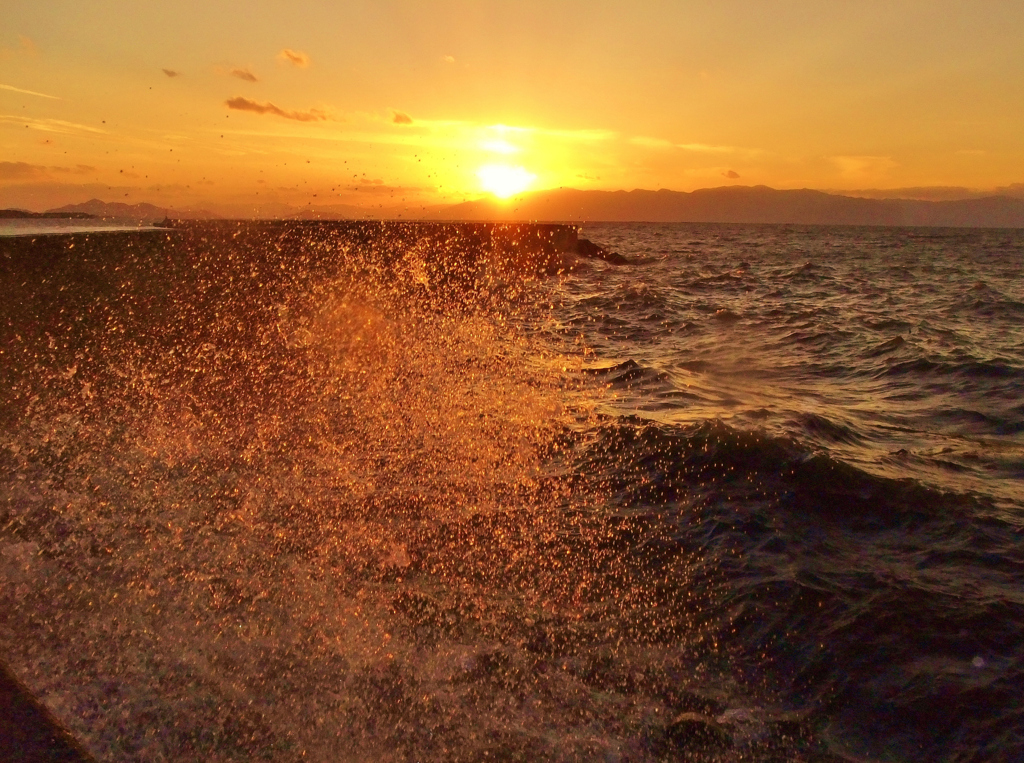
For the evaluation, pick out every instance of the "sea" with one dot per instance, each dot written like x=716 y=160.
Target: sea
x=288 y=492
x=35 y=226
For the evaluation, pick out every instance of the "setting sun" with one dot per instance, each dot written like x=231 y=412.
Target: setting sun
x=464 y=379
x=504 y=181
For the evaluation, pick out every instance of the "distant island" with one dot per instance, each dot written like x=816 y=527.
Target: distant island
x=729 y=204
x=137 y=213
x=114 y=211
x=24 y=214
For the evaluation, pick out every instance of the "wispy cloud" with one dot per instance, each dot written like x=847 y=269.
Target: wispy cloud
x=378 y=128
x=293 y=57
x=246 y=104
x=243 y=74
x=640 y=140
x=585 y=136
x=377 y=188
x=661 y=143
x=731 y=174
x=448 y=59
x=171 y=72
x=863 y=167
x=23 y=172
x=401 y=118
x=28 y=92
x=705 y=148
x=50 y=125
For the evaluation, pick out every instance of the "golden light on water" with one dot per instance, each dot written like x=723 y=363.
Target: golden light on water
x=503 y=180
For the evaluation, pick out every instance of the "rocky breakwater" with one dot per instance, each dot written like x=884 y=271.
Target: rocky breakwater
x=101 y=330
x=469 y=247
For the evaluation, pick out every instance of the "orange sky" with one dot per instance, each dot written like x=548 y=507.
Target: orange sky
x=231 y=105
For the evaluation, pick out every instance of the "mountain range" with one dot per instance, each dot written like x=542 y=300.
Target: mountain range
x=116 y=210
x=743 y=204
x=732 y=204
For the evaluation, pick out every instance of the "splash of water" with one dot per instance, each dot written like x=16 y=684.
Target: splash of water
x=292 y=493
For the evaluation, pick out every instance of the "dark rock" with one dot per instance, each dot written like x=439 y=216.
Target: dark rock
x=694 y=731
x=585 y=248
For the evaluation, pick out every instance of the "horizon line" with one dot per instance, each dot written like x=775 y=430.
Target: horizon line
x=878 y=194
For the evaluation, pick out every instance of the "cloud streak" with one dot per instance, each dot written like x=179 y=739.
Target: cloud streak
x=401 y=118
x=661 y=143
x=171 y=73
x=246 y=104
x=50 y=125
x=293 y=57
x=640 y=140
x=28 y=92
x=243 y=74
x=78 y=169
x=377 y=188
x=859 y=167
x=502 y=130
x=23 y=172
x=705 y=148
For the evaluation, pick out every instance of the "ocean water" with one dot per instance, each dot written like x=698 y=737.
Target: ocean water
x=53 y=226
x=291 y=492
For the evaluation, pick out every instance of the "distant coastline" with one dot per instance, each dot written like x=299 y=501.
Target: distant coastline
x=728 y=204
x=743 y=205
x=24 y=214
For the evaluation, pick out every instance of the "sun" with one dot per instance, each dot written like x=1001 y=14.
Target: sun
x=504 y=181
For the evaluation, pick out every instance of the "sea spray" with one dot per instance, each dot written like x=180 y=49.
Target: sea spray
x=219 y=481
x=284 y=496
x=348 y=492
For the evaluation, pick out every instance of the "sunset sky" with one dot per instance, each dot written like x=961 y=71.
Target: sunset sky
x=384 y=103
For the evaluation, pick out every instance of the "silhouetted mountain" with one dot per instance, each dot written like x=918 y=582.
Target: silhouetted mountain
x=116 y=210
x=24 y=214
x=741 y=204
x=935 y=192
x=732 y=204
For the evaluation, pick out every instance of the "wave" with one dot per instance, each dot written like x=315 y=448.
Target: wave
x=886 y=347
x=1010 y=309
x=969 y=369
x=864 y=594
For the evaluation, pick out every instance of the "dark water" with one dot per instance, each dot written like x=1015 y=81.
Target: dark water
x=287 y=493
